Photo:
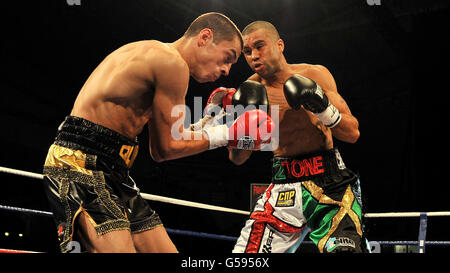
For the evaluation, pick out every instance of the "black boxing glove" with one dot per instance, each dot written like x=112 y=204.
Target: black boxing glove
x=301 y=91
x=250 y=93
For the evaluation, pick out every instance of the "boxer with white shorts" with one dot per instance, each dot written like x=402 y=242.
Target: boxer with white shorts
x=311 y=188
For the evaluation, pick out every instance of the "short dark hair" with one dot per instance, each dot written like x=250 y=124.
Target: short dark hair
x=222 y=27
x=264 y=25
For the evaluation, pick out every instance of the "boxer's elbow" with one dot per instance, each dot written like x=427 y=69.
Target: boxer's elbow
x=159 y=152
x=347 y=130
x=354 y=132
x=162 y=155
x=354 y=136
x=167 y=151
x=156 y=156
x=350 y=136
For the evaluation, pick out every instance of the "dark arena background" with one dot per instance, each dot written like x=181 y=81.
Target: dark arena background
x=389 y=60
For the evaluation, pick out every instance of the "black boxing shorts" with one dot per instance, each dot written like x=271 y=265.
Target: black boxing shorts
x=87 y=171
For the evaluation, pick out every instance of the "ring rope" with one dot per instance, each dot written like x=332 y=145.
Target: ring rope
x=202 y=234
x=22 y=173
x=158 y=198
x=445 y=243
x=207 y=235
x=146 y=196
x=29 y=211
x=406 y=214
x=190 y=203
x=169 y=230
x=4 y=250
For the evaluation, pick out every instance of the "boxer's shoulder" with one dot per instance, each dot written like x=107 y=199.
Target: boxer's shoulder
x=149 y=57
x=305 y=68
x=316 y=72
x=163 y=54
x=154 y=53
x=163 y=61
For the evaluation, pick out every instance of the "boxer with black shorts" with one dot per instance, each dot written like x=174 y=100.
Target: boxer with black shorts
x=311 y=188
x=86 y=172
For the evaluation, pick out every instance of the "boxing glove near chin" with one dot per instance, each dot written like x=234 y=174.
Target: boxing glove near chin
x=220 y=97
x=301 y=91
x=250 y=93
x=215 y=110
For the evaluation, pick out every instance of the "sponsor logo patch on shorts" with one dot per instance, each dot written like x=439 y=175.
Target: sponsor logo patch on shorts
x=286 y=199
x=339 y=242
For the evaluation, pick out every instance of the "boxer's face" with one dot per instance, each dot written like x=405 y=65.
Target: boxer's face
x=262 y=52
x=215 y=60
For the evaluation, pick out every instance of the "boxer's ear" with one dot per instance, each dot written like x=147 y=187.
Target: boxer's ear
x=280 y=44
x=204 y=37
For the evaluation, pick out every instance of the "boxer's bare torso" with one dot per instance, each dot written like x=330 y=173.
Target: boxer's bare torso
x=142 y=83
x=136 y=85
x=300 y=132
x=119 y=92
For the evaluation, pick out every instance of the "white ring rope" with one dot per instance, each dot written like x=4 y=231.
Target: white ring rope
x=180 y=202
x=22 y=173
x=405 y=214
x=190 y=204
x=146 y=196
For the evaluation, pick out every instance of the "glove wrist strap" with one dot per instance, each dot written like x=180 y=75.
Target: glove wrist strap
x=330 y=117
x=217 y=135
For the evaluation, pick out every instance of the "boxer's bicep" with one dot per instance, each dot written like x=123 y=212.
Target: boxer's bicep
x=168 y=108
x=347 y=129
x=322 y=76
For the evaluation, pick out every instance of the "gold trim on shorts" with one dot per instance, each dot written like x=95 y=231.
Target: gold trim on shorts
x=74 y=166
x=345 y=208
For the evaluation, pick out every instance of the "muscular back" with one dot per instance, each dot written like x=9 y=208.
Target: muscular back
x=299 y=131
x=119 y=92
